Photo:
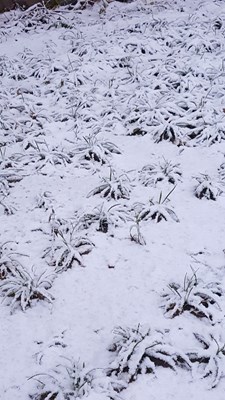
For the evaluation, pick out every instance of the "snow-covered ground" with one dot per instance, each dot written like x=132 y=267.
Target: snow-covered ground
x=112 y=202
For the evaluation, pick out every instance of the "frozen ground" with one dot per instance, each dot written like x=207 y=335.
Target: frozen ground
x=129 y=100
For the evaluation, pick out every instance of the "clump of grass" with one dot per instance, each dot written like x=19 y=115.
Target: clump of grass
x=70 y=380
x=67 y=249
x=152 y=174
x=22 y=287
x=93 y=149
x=193 y=296
x=104 y=217
x=158 y=210
x=210 y=358
x=114 y=187
x=138 y=351
x=206 y=188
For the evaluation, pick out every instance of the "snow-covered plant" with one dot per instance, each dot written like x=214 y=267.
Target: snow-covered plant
x=169 y=130
x=115 y=187
x=37 y=16
x=221 y=171
x=135 y=229
x=206 y=188
x=58 y=225
x=67 y=381
x=93 y=149
x=67 y=250
x=55 y=342
x=151 y=174
x=210 y=358
x=7 y=208
x=42 y=156
x=209 y=128
x=158 y=210
x=138 y=351
x=194 y=296
x=103 y=216
x=44 y=200
x=8 y=264
x=7 y=178
x=21 y=287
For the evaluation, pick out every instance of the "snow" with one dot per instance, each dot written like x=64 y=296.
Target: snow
x=90 y=98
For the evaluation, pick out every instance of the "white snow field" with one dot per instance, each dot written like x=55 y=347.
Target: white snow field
x=112 y=202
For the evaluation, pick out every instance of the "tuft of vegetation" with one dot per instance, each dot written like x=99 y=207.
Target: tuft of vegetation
x=193 y=296
x=206 y=188
x=210 y=358
x=68 y=249
x=69 y=380
x=137 y=351
x=115 y=187
x=8 y=263
x=104 y=217
x=157 y=210
x=21 y=287
x=135 y=229
x=92 y=149
x=151 y=174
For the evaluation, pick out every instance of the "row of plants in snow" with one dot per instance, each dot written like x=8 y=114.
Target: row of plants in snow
x=92 y=152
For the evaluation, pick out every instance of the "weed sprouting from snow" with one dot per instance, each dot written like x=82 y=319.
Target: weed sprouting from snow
x=115 y=187
x=70 y=380
x=158 y=210
x=103 y=216
x=135 y=229
x=41 y=156
x=93 y=149
x=151 y=174
x=138 y=351
x=21 y=287
x=207 y=188
x=210 y=358
x=194 y=296
x=67 y=249
x=8 y=259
